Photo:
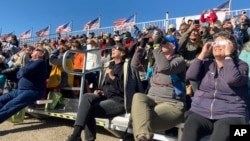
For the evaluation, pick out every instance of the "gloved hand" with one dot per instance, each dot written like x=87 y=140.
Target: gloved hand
x=144 y=41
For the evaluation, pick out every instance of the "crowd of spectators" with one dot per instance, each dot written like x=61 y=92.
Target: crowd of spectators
x=187 y=41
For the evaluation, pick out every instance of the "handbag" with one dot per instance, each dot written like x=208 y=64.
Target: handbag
x=55 y=96
x=18 y=117
x=55 y=77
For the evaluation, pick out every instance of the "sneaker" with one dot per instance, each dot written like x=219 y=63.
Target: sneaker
x=73 y=138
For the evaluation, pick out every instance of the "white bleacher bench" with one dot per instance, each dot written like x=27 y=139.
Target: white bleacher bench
x=40 y=102
x=121 y=123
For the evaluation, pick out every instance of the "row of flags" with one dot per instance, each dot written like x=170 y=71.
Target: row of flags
x=120 y=24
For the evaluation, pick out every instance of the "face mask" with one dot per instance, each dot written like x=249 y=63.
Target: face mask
x=89 y=46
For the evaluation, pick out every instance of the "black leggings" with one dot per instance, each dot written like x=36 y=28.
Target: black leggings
x=197 y=126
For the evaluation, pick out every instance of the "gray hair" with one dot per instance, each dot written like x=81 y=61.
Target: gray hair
x=232 y=38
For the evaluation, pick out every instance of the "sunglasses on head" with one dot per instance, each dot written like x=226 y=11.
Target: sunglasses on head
x=118 y=48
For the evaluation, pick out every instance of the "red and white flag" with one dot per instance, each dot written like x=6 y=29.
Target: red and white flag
x=64 y=28
x=124 y=23
x=6 y=37
x=25 y=35
x=94 y=24
x=43 y=32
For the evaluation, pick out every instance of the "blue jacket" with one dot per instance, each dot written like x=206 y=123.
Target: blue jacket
x=222 y=92
x=33 y=76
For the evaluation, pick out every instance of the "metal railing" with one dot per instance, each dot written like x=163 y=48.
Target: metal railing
x=163 y=24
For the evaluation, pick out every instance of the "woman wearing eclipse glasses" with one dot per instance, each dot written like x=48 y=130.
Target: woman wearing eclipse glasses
x=221 y=98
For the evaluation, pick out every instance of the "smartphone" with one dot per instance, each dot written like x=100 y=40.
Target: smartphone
x=196 y=22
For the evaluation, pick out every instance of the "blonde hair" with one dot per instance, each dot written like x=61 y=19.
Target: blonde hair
x=246 y=46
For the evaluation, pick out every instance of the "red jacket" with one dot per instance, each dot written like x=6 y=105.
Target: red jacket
x=211 y=18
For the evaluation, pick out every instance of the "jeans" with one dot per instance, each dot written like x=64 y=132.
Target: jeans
x=93 y=105
x=197 y=126
x=16 y=100
x=149 y=116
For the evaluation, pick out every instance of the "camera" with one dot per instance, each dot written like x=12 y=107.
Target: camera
x=138 y=34
x=196 y=22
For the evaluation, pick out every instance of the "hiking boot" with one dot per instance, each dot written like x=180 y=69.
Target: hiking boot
x=73 y=138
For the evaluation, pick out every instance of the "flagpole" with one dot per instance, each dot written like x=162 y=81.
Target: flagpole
x=135 y=16
x=99 y=21
x=88 y=31
x=71 y=26
x=230 y=4
x=166 y=21
x=31 y=32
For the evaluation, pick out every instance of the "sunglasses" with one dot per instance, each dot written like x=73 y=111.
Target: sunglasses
x=40 y=50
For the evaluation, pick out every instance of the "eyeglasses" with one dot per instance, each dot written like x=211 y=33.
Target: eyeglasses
x=219 y=43
x=227 y=23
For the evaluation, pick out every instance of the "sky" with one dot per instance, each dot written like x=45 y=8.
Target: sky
x=22 y=15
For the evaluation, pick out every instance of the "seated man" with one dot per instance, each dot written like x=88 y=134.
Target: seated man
x=163 y=107
x=31 y=86
x=108 y=101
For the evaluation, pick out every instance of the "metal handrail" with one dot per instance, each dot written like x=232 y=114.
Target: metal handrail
x=84 y=71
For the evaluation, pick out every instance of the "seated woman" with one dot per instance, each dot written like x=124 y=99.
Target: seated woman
x=108 y=101
x=161 y=108
x=221 y=98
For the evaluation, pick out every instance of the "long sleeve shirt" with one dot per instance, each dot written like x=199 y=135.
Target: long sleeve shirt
x=115 y=88
x=223 y=91
x=33 y=75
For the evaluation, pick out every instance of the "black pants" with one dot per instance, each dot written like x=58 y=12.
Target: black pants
x=91 y=106
x=197 y=126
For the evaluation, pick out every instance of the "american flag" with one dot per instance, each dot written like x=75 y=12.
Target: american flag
x=224 y=7
x=6 y=37
x=94 y=24
x=43 y=32
x=64 y=28
x=25 y=35
x=124 y=23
